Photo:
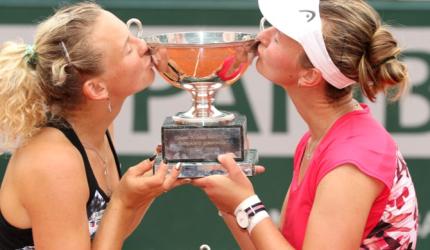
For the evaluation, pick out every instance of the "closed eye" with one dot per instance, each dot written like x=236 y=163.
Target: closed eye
x=276 y=37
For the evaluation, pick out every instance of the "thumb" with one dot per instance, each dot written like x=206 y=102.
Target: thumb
x=259 y=169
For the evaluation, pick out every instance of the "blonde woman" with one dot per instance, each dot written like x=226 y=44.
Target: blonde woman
x=63 y=187
x=351 y=188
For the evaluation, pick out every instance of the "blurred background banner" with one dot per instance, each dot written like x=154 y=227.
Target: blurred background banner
x=184 y=218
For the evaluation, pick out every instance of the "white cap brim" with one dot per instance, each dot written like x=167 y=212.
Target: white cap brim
x=301 y=21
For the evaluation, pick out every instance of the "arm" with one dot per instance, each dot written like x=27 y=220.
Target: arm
x=135 y=220
x=264 y=236
x=329 y=227
x=227 y=192
x=54 y=192
x=240 y=235
x=169 y=183
x=115 y=226
x=130 y=202
x=342 y=203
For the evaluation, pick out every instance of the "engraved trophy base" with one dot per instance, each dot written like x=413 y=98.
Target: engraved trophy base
x=202 y=142
x=197 y=146
x=203 y=169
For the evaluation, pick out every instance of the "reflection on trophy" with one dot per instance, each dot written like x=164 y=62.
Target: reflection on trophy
x=202 y=62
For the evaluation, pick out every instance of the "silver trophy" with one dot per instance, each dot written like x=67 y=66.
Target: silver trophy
x=202 y=62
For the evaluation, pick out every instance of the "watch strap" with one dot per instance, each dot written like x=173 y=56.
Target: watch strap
x=257 y=218
x=255 y=210
x=248 y=202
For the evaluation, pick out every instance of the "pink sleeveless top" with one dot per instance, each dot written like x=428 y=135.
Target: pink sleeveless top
x=356 y=138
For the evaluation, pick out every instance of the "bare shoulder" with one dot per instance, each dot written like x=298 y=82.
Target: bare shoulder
x=49 y=151
x=49 y=162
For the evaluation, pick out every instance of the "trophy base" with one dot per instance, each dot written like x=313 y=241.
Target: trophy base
x=202 y=142
x=202 y=169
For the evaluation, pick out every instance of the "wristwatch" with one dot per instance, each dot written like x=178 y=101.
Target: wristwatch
x=250 y=212
x=244 y=216
x=242 y=219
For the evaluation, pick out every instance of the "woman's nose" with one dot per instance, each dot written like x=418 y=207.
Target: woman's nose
x=264 y=36
x=143 y=47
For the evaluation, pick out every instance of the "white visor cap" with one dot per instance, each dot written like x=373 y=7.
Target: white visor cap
x=301 y=21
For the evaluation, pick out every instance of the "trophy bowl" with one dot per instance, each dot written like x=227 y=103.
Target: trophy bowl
x=202 y=62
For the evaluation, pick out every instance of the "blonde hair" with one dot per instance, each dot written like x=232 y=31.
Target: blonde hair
x=46 y=82
x=363 y=49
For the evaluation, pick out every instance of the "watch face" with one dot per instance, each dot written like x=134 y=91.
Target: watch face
x=242 y=219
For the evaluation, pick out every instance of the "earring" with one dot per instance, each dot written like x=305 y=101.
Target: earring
x=109 y=106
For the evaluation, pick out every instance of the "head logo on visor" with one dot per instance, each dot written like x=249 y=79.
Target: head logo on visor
x=310 y=15
x=301 y=21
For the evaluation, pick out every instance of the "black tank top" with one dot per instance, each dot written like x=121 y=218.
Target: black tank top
x=16 y=238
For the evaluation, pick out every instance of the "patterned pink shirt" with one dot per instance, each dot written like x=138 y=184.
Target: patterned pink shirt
x=357 y=138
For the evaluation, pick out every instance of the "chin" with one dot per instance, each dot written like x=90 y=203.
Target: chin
x=144 y=85
x=260 y=68
x=149 y=76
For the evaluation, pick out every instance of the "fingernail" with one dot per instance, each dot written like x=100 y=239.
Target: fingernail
x=178 y=166
x=152 y=157
x=159 y=148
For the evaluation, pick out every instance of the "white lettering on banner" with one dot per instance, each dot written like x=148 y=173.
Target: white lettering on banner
x=414 y=109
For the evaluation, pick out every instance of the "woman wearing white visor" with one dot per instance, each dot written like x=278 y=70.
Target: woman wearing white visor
x=351 y=187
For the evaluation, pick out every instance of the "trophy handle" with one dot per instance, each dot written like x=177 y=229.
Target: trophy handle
x=134 y=21
x=205 y=247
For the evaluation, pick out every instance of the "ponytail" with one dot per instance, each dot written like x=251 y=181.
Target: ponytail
x=22 y=102
x=37 y=81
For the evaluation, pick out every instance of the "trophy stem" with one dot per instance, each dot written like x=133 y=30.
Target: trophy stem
x=203 y=98
x=202 y=109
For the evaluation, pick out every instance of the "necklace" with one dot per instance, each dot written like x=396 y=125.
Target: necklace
x=105 y=167
x=310 y=147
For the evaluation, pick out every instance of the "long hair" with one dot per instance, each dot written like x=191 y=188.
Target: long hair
x=46 y=78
